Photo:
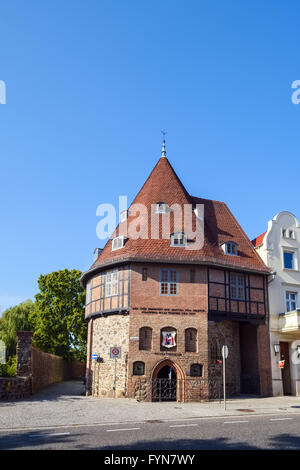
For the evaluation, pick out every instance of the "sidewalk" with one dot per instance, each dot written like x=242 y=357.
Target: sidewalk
x=64 y=404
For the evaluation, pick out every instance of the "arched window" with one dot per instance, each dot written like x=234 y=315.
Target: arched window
x=168 y=339
x=145 y=338
x=138 y=368
x=190 y=340
x=216 y=350
x=196 y=370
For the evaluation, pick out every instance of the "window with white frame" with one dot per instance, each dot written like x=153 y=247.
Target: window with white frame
x=291 y=301
x=112 y=283
x=237 y=286
x=88 y=293
x=288 y=260
x=284 y=232
x=161 y=207
x=178 y=239
x=168 y=282
x=230 y=248
x=291 y=234
x=117 y=243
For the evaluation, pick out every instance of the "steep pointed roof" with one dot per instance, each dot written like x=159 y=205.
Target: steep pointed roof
x=163 y=185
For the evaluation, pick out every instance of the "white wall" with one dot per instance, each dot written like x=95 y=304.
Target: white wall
x=271 y=251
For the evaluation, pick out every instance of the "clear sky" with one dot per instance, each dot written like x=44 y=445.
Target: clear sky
x=91 y=83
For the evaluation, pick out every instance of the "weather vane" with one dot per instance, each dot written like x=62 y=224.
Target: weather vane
x=163 y=150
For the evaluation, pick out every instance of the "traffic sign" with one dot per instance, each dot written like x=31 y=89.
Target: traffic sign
x=115 y=352
x=94 y=356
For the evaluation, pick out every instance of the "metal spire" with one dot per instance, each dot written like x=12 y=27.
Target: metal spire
x=163 y=149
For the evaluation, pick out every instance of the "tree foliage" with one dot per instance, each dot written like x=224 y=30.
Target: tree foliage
x=15 y=319
x=58 y=316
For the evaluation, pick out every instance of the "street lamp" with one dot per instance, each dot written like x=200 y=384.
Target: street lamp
x=276 y=347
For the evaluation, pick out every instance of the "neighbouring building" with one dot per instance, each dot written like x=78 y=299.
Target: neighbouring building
x=279 y=248
x=171 y=308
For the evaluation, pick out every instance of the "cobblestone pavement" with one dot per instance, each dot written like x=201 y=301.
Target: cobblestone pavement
x=65 y=404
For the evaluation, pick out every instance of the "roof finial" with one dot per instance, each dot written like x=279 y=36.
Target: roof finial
x=163 y=149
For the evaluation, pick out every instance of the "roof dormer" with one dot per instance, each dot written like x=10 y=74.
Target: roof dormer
x=230 y=248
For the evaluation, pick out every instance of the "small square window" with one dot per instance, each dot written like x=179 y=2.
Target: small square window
x=196 y=370
x=178 y=239
x=161 y=207
x=138 y=368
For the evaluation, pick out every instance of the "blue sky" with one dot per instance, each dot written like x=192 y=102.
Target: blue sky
x=90 y=84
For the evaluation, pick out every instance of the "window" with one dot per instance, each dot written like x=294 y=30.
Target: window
x=178 y=239
x=237 y=286
x=284 y=232
x=123 y=216
x=145 y=338
x=144 y=274
x=190 y=340
x=196 y=370
x=88 y=293
x=118 y=242
x=291 y=301
x=138 y=368
x=168 y=282
x=215 y=351
x=161 y=207
x=291 y=234
x=111 y=283
x=192 y=276
x=288 y=260
x=230 y=248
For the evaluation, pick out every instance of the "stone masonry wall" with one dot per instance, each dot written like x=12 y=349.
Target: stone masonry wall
x=109 y=331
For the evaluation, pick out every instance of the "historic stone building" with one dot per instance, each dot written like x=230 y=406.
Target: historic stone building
x=171 y=305
x=279 y=248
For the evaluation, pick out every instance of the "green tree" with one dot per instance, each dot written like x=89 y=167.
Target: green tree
x=15 y=319
x=58 y=316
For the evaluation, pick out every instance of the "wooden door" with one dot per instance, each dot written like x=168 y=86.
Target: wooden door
x=285 y=372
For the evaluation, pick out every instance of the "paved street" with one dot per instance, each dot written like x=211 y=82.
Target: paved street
x=62 y=417
x=255 y=432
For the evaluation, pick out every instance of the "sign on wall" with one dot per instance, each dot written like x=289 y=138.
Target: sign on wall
x=168 y=339
x=115 y=352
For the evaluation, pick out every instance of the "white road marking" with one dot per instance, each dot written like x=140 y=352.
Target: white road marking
x=233 y=422
x=127 y=429
x=182 y=425
x=280 y=419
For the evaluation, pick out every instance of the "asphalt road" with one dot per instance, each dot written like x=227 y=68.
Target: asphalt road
x=234 y=433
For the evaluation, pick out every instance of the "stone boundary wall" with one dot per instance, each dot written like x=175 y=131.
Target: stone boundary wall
x=37 y=370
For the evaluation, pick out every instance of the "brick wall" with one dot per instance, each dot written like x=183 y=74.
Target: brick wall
x=148 y=308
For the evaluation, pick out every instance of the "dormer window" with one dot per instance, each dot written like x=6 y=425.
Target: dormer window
x=118 y=242
x=123 y=216
x=230 y=248
x=178 y=239
x=161 y=207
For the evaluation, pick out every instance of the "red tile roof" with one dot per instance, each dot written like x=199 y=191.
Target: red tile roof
x=258 y=240
x=163 y=185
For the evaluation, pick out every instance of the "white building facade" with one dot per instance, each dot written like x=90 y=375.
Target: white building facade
x=279 y=248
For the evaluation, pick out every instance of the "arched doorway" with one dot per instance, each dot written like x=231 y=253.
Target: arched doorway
x=166 y=382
